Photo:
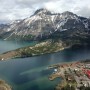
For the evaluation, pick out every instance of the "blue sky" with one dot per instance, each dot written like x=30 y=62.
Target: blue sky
x=20 y=9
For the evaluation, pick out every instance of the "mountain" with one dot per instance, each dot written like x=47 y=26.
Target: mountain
x=44 y=24
x=53 y=31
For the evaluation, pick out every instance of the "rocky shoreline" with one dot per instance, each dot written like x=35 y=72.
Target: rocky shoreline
x=4 y=85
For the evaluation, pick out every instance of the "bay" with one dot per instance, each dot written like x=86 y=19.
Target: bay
x=32 y=73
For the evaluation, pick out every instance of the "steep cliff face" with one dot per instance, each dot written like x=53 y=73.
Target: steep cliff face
x=44 y=24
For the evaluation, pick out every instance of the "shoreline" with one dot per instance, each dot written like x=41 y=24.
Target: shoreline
x=4 y=85
x=13 y=53
x=55 y=66
x=37 y=50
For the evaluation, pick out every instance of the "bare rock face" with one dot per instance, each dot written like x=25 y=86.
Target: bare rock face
x=44 y=24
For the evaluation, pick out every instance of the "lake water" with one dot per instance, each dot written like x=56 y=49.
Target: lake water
x=31 y=73
x=11 y=45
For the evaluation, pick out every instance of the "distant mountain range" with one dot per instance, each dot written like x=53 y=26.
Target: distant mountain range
x=44 y=24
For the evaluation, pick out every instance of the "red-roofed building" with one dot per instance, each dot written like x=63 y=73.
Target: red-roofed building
x=87 y=72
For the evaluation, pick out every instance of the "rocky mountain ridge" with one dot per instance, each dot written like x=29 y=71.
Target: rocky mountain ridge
x=44 y=24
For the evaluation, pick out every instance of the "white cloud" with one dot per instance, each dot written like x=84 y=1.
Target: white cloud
x=18 y=9
x=80 y=7
x=59 y=5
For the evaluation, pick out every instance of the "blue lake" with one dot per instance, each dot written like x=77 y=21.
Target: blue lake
x=31 y=73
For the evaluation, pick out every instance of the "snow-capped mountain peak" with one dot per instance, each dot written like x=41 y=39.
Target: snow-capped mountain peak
x=43 y=24
x=42 y=11
x=69 y=15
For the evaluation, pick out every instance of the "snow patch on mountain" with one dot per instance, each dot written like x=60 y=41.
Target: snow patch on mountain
x=44 y=23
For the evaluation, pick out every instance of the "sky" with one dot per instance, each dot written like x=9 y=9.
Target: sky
x=19 y=9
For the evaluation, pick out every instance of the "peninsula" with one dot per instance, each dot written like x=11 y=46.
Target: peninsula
x=74 y=75
x=48 y=46
x=45 y=47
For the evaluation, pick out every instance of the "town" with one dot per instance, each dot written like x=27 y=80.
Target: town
x=74 y=75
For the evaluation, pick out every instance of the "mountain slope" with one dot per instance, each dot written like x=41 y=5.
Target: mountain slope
x=45 y=25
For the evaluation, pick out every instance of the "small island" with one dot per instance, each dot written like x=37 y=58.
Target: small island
x=74 y=75
x=4 y=85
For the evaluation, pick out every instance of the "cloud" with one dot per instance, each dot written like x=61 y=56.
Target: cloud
x=80 y=7
x=19 y=9
x=59 y=5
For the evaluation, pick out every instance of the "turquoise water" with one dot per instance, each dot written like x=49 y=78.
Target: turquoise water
x=11 y=45
x=31 y=73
